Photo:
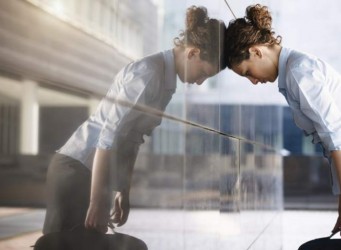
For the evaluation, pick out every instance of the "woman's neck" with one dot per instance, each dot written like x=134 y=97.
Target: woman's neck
x=178 y=58
x=275 y=53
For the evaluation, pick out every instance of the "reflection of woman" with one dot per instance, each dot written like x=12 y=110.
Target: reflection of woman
x=311 y=87
x=114 y=132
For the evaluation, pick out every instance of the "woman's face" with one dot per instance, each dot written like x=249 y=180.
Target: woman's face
x=196 y=70
x=258 y=68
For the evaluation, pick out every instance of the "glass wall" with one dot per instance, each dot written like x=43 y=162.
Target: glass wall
x=209 y=177
x=207 y=197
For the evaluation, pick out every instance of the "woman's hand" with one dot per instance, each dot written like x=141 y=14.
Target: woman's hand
x=98 y=217
x=121 y=208
x=337 y=226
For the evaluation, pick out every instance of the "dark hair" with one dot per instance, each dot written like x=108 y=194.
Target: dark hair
x=243 y=33
x=204 y=33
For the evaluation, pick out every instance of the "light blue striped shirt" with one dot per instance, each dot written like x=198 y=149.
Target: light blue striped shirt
x=312 y=89
x=150 y=82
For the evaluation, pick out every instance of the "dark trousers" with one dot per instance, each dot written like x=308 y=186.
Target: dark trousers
x=81 y=239
x=68 y=194
x=322 y=244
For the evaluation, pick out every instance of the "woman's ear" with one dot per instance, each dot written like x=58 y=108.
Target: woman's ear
x=191 y=52
x=255 y=51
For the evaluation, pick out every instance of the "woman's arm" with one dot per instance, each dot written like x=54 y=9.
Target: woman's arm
x=100 y=194
x=336 y=157
x=98 y=214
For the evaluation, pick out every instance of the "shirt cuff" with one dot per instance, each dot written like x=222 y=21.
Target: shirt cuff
x=332 y=141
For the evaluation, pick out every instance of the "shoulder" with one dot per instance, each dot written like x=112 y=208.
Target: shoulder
x=143 y=75
x=301 y=60
x=152 y=64
x=305 y=66
x=302 y=63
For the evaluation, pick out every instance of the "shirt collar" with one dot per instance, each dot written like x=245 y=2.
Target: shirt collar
x=283 y=59
x=170 y=73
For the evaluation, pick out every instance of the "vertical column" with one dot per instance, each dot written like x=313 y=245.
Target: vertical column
x=29 y=120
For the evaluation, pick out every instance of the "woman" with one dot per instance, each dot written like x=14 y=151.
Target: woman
x=100 y=155
x=311 y=87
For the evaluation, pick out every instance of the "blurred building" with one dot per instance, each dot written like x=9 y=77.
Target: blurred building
x=57 y=57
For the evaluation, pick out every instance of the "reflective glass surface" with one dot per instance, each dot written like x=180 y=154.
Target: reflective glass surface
x=209 y=177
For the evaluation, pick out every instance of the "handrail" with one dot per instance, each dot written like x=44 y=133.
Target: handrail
x=158 y=113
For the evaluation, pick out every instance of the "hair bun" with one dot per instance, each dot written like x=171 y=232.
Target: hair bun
x=259 y=16
x=196 y=17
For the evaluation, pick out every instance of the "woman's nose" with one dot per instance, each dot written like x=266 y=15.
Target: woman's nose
x=253 y=80
x=200 y=81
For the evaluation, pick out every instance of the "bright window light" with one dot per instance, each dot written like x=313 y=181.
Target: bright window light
x=57 y=7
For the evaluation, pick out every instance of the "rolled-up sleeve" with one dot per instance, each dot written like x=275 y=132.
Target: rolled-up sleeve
x=129 y=89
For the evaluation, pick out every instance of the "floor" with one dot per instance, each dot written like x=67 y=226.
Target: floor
x=20 y=227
